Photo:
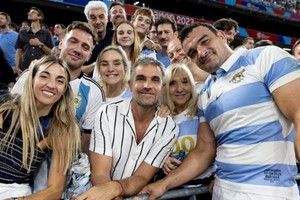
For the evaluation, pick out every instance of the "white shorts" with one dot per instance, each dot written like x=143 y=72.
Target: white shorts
x=220 y=193
x=14 y=190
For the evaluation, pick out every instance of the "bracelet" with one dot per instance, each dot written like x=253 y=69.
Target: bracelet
x=41 y=45
x=123 y=193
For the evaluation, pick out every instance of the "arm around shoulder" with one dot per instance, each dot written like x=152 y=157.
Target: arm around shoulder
x=197 y=161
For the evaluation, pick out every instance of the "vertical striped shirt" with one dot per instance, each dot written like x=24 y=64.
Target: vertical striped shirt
x=114 y=135
x=255 y=141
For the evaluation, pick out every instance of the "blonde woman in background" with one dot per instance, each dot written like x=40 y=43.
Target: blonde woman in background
x=33 y=126
x=126 y=36
x=113 y=68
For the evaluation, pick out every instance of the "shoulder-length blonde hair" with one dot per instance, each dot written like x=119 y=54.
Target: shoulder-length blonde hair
x=63 y=134
x=166 y=99
x=135 y=47
x=124 y=61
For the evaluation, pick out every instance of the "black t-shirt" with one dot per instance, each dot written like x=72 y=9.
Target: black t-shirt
x=29 y=52
x=6 y=73
x=100 y=46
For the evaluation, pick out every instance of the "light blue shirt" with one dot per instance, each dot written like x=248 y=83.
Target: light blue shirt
x=7 y=44
x=255 y=141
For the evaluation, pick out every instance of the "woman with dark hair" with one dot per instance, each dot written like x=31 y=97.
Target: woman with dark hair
x=7 y=76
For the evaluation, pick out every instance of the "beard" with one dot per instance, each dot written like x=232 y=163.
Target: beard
x=2 y=26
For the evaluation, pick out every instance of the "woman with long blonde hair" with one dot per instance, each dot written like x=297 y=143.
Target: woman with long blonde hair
x=126 y=36
x=36 y=125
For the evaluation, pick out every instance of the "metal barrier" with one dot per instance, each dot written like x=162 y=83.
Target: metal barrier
x=185 y=192
x=172 y=194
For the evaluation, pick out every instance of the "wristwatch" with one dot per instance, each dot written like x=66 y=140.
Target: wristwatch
x=41 y=46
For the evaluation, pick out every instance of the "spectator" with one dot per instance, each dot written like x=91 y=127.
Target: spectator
x=152 y=35
x=247 y=115
x=166 y=31
x=56 y=51
x=59 y=33
x=145 y=138
x=24 y=25
x=45 y=27
x=126 y=36
x=228 y=26
x=8 y=39
x=39 y=44
x=114 y=68
x=248 y=43
x=290 y=5
x=142 y=20
x=13 y=26
x=117 y=13
x=296 y=50
x=177 y=55
x=7 y=76
x=261 y=43
x=97 y=17
x=175 y=52
x=40 y=121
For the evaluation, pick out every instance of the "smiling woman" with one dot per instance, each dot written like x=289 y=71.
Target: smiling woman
x=127 y=37
x=33 y=126
x=181 y=97
x=48 y=86
x=113 y=67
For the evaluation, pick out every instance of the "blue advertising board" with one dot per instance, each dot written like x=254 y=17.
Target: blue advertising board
x=80 y=2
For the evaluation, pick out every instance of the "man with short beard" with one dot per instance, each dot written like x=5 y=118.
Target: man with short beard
x=8 y=39
x=117 y=13
x=33 y=43
x=166 y=31
x=129 y=141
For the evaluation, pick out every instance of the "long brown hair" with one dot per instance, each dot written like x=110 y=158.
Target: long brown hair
x=135 y=47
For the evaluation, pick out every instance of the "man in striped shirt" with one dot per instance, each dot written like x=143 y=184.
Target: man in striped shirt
x=247 y=108
x=130 y=142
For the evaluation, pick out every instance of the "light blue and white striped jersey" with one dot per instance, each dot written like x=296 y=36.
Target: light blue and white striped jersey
x=255 y=149
x=88 y=97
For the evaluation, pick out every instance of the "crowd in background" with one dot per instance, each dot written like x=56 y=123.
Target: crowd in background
x=285 y=5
